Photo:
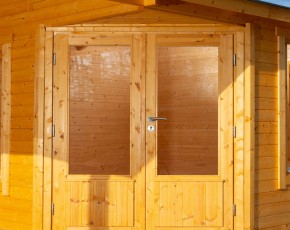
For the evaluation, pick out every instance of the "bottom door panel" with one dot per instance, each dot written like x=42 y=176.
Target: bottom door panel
x=99 y=204
x=188 y=204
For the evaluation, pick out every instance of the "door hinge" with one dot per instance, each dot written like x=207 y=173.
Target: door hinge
x=234 y=210
x=235 y=60
x=53 y=130
x=234 y=131
x=54 y=58
x=52 y=208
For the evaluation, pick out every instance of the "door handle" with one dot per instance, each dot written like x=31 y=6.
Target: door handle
x=152 y=119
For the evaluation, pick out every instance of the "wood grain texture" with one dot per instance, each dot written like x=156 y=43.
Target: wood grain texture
x=5 y=117
x=169 y=202
x=38 y=142
x=267 y=150
x=282 y=111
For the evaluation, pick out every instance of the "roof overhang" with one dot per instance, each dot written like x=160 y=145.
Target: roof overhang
x=239 y=6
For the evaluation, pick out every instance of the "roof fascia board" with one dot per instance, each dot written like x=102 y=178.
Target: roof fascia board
x=248 y=7
x=138 y=2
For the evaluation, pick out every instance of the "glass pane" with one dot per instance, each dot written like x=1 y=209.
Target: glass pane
x=188 y=98
x=99 y=113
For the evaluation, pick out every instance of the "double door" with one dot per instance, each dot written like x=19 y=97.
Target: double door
x=143 y=131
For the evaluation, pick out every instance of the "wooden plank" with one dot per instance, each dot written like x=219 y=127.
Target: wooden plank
x=5 y=117
x=162 y=29
x=47 y=124
x=38 y=130
x=189 y=40
x=153 y=213
x=282 y=32
x=138 y=2
x=68 y=12
x=6 y=39
x=282 y=111
x=226 y=123
x=214 y=203
x=60 y=115
x=239 y=104
x=247 y=7
x=98 y=39
x=137 y=131
x=272 y=197
x=249 y=129
x=272 y=221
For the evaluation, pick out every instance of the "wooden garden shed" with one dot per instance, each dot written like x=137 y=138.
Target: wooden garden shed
x=144 y=114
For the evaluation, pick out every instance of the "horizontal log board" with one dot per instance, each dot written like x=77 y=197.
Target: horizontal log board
x=272 y=211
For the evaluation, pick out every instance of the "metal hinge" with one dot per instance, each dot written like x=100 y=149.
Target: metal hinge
x=234 y=131
x=235 y=60
x=52 y=208
x=54 y=58
x=234 y=210
x=53 y=130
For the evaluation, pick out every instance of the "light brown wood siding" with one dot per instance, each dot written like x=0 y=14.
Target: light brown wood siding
x=272 y=206
x=22 y=18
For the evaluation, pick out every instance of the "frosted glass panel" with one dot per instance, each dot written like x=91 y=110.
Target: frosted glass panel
x=99 y=113
x=188 y=98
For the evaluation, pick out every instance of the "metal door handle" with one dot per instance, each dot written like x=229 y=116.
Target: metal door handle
x=152 y=119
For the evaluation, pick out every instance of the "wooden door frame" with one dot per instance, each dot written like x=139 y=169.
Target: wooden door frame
x=244 y=97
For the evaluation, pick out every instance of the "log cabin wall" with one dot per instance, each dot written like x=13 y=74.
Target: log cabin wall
x=23 y=17
x=272 y=206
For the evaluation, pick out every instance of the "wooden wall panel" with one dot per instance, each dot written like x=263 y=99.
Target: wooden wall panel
x=272 y=205
x=22 y=18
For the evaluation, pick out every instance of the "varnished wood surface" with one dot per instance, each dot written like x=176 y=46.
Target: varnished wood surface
x=23 y=19
x=168 y=204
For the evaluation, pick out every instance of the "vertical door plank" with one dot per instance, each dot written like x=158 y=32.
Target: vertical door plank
x=110 y=203
x=76 y=207
x=226 y=124
x=239 y=76
x=60 y=100
x=122 y=203
x=175 y=199
x=47 y=161
x=156 y=205
x=214 y=204
x=99 y=201
x=165 y=204
x=198 y=194
x=68 y=202
x=188 y=201
x=153 y=211
x=85 y=204
x=130 y=211
x=137 y=130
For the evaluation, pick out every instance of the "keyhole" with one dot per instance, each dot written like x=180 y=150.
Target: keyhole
x=151 y=128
